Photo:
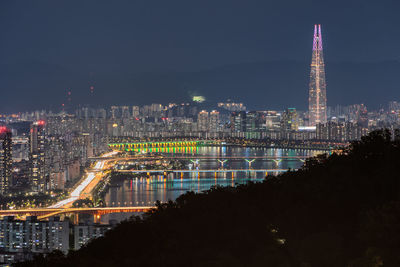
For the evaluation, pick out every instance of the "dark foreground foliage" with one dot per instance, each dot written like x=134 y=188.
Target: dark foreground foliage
x=342 y=210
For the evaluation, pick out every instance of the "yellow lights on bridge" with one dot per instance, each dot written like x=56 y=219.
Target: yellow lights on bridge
x=44 y=213
x=143 y=145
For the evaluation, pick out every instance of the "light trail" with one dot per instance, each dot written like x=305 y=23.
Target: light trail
x=77 y=192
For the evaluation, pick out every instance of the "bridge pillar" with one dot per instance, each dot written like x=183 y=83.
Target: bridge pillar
x=76 y=219
x=277 y=161
x=222 y=162
x=195 y=162
x=250 y=161
x=96 y=218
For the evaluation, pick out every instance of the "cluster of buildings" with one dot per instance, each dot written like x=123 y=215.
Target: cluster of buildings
x=22 y=239
x=45 y=151
x=5 y=159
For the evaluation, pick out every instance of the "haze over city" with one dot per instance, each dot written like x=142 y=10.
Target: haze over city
x=134 y=52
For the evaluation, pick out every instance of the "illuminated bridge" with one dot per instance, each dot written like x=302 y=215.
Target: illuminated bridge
x=44 y=213
x=143 y=145
x=198 y=157
x=198 y=171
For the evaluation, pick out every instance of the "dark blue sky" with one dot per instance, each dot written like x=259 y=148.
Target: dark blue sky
x=138 y=52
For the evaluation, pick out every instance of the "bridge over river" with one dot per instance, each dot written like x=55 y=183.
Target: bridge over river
x=108 y=161
x=198 y=171
x=44 y=213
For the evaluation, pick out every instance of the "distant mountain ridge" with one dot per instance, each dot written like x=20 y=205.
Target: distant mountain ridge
x=260 y=85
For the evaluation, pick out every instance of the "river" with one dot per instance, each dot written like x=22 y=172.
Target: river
x=145 y=192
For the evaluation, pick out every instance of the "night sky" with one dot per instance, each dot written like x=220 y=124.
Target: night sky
x=141 y=52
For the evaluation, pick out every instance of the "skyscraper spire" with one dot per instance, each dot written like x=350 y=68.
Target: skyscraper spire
x=317 y=86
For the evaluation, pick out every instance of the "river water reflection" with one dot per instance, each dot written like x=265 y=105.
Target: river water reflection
x=145 y=192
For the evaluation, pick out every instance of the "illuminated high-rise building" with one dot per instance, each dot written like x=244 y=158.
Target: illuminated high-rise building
x=114 y=112
x=135 y=111
x=238 y=121
x=214 y=121
x=272 y=120
x=317 y=89
x=290 y=120
x=125 y=112
x=203 y=121
x=5 y=160
x=37 y=157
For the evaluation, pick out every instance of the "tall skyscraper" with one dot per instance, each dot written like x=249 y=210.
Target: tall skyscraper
x=5 y=159
x=317 y=90
x=37 y=157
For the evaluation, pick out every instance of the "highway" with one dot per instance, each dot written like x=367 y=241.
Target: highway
x=83 y=189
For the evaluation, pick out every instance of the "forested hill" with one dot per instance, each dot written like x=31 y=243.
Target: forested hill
x=342 y=210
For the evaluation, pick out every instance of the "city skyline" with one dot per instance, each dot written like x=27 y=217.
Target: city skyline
x=199 y=133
